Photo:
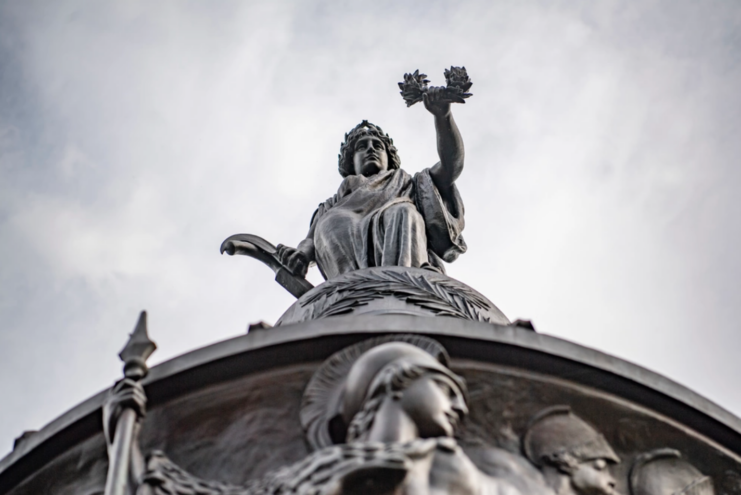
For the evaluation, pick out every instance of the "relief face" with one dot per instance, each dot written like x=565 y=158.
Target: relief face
x=574 y=457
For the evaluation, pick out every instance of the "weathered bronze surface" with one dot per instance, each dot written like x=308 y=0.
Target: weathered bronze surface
x=388 y=378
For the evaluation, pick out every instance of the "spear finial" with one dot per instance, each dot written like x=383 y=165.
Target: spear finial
x=134 y=355
x=137 y=350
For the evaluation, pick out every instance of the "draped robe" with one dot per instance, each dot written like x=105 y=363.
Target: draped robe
x=387 y=219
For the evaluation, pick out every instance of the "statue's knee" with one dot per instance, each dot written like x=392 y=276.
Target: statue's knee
x=405 y=212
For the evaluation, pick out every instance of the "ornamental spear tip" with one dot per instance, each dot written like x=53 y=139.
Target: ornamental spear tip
x=137 y=350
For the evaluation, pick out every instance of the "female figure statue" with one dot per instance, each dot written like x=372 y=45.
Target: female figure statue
x=382 y=216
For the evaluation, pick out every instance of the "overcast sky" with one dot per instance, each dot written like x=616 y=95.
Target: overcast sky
x=603 y=165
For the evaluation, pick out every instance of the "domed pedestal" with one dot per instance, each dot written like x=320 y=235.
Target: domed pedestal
x=393 y=290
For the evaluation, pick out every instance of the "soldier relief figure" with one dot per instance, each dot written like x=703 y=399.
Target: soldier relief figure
x=573 y=456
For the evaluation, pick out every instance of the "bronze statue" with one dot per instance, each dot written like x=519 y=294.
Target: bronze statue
x=382 y=216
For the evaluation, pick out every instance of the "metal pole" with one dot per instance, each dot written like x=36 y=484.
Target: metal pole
x=134 y=355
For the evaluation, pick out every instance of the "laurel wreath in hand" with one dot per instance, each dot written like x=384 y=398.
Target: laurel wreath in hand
x=456 y=90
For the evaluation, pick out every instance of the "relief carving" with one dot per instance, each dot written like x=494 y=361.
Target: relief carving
x=382 y=417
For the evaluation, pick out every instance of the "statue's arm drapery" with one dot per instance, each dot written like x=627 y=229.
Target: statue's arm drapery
x=306 y=246
x=444 y=217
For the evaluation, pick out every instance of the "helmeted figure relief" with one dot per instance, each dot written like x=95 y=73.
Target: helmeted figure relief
x=664 y=472
x=398 y=408
x=573 y=456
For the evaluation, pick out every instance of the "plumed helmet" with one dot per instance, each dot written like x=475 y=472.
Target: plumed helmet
x=664 y=472
x=324 y=396
x=558 y=437
x=369 y=365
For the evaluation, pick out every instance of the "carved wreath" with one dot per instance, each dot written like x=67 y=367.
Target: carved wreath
x=442 y=297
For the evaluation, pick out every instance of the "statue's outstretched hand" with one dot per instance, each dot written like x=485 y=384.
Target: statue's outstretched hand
x=293 y=259
x=126 y=394
x=436 y=101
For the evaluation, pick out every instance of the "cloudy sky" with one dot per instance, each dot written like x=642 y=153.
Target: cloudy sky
x=603 y=161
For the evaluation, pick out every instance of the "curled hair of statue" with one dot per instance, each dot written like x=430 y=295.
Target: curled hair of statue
x=347 y=148
x=321 y=398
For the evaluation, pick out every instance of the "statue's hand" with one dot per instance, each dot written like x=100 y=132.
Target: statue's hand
x=126 y=394
x=436 y=102
x=293 y=259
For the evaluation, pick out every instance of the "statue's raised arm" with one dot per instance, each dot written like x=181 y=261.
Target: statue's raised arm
x=437 y=101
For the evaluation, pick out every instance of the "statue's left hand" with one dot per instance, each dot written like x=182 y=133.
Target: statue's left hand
x=436 y=102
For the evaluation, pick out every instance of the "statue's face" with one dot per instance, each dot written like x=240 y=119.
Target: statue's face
x=593 y=478
x=435 y=404
x=370 y=156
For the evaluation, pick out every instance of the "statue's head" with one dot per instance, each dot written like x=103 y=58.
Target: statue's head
x=367 y=150
x=426 y=391
x=664 y=472
x=559 y=439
